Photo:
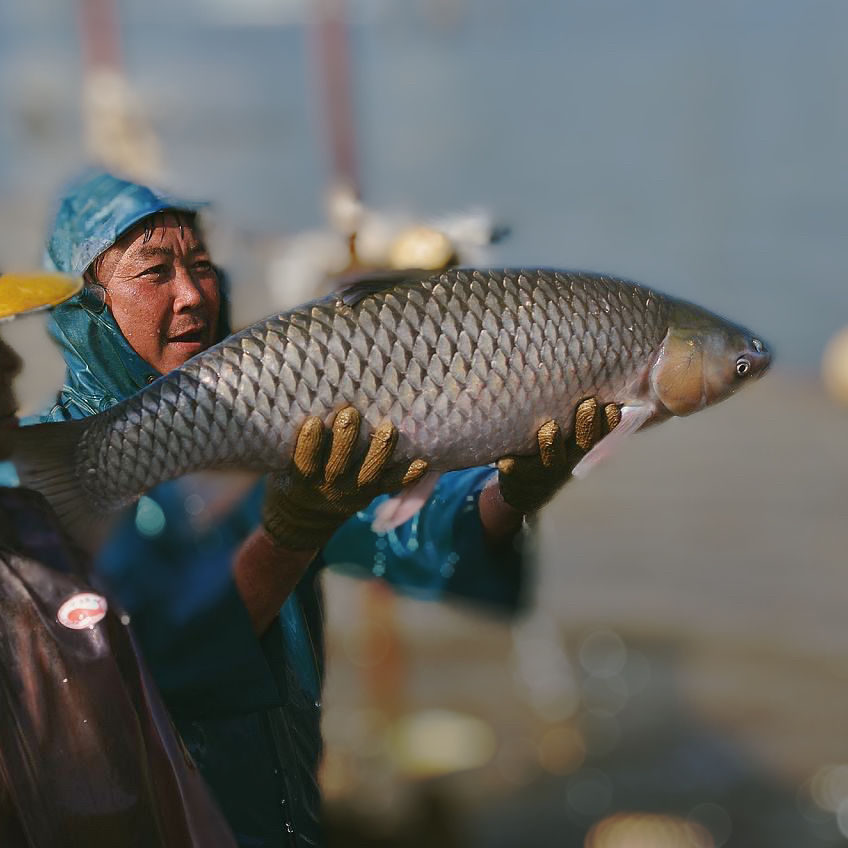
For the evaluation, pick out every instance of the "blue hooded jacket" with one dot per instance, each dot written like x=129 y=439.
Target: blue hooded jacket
x=248 y=708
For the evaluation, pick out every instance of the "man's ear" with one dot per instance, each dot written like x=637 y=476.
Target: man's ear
x=94 y=297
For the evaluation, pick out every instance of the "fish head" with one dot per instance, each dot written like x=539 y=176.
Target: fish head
x=704 y=359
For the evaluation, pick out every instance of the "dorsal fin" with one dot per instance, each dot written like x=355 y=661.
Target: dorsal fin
x=357 y=287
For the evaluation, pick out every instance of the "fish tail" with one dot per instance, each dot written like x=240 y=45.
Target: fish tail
x=45 y=458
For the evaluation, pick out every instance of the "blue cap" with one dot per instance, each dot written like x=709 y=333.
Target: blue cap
x=95 y=210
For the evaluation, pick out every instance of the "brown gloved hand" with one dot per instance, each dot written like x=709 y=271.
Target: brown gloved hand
x=529 y=482
x=324 y=487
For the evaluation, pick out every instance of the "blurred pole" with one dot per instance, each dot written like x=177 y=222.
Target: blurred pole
x=117 y=136
x=100 y=35
x=384 y=677
x=331 y=48
x=330 y=30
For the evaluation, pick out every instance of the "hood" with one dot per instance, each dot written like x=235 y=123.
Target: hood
x=102 y=367
x=93 y=212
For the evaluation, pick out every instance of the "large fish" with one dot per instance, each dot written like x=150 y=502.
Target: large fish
x=466 y=364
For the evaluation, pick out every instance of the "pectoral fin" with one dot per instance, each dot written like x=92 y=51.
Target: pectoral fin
x=632 y=418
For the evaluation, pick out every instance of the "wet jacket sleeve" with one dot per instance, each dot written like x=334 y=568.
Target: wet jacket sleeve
x=441 y=552
x=178 y=588
x=8 y=475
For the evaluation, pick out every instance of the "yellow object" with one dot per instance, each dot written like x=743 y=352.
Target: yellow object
x=835 y=367
x=422 y=247
x=27 y=292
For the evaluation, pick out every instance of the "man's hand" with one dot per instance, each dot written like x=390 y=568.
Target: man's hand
x=303 y=508
x=325 y=487
x=529 y=482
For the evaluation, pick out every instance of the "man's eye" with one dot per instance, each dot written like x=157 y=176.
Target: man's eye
x=203 y=266
x=155 y=271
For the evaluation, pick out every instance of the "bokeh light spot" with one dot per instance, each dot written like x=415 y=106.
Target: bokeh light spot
x=647 y=830
x=603 y=653
x=429 y=743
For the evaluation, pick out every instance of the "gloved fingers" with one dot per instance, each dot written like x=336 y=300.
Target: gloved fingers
x=507 y=465
x=307 y=449
x=587 y=424
x=551 y=445
x=551 y=449
x=400 y=476
x=417 y=469
x=612 y=414
x=383 y=442
x=344 y=434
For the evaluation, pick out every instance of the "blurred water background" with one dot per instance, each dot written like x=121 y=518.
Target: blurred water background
x=698 y=146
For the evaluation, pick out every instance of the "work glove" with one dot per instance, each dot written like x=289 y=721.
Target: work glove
x=529 y=482
x=325 y=487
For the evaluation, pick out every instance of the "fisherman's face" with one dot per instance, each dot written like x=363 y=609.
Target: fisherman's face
x=10 y=366
x=162 y=290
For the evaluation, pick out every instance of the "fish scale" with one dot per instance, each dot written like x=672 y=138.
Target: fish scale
x=465 y=364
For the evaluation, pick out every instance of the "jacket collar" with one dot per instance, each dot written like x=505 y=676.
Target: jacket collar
x=102 y=367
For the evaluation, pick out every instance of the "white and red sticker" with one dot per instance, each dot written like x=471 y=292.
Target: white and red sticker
x=82 y=610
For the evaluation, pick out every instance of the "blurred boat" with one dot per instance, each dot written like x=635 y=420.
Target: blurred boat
x=360 y=239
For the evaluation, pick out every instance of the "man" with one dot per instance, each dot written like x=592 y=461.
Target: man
x=228 y=608
x=87 y=752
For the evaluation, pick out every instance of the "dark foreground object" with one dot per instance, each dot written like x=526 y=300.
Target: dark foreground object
x=88 y=755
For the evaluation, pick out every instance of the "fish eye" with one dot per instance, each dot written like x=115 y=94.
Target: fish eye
x=758 y=346
x=742 y=366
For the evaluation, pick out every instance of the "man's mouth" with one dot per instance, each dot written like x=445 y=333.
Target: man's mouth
x=196 y=335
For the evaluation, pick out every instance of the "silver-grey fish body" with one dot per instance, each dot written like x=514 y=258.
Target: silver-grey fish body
x=466 y=364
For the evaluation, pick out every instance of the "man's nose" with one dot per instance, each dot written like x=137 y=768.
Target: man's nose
x=187 y=294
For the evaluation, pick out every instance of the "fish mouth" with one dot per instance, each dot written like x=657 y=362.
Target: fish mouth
x=759 y=357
